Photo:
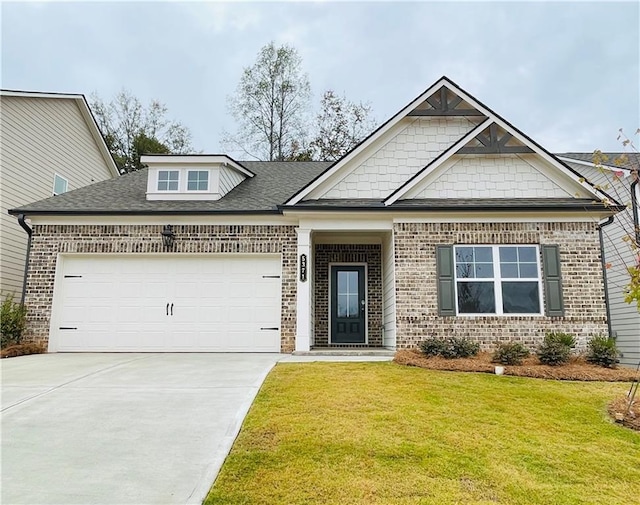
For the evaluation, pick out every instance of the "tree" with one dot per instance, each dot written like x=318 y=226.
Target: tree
x=341 y=125
x=270 y=106
x=622 y=184
x=130 y=129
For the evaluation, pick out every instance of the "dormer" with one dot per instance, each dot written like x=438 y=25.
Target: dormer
x=192 y=177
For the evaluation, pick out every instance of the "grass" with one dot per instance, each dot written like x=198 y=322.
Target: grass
x=366 y=433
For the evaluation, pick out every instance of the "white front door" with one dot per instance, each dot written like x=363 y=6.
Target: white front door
x=167 y=303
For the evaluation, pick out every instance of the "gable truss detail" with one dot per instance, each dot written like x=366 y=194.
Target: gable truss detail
x=492 y=144
x=444 y=105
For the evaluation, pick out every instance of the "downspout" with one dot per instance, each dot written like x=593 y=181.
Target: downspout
x=604 y=272
x=29 y=231
x=634 y=207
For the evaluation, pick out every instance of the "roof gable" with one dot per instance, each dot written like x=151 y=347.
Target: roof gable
x=86 y=113
x=398 y=160
x=443 y=100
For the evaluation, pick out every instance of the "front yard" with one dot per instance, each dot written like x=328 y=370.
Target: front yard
x=350 y=433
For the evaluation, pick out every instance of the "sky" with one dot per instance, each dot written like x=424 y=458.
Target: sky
x=565 y=73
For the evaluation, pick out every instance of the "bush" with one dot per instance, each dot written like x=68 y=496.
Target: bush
x=450 y=347
x=13 y=318
x=602 y=351
x=510 y=353
x=553 y=353
x=460 y=347
x=432 y=346
x=561 y=338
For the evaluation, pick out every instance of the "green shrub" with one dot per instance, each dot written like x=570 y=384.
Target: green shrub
x=510 y=353
x=450 y=347
x=432 y=346
x=553 y=353
x=459 y=347
x=561 y=338
x=602 y=351
x=13 y=318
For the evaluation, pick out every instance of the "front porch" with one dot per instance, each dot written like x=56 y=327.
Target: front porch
x=346 y=292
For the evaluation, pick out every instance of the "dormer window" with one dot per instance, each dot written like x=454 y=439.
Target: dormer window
x=198 y=180
x=168 y=180
x=192 y=177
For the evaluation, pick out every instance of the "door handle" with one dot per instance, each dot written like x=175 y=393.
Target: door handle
x=167 y=308
x=172 y=309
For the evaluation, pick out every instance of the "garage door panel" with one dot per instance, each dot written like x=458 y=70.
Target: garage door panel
x=120 y=303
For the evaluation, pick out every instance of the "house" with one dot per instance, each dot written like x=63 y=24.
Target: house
x=445 y=220
x=624 y=318
x=50 y=144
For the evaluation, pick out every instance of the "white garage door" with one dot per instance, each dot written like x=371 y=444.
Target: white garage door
x=167 y=303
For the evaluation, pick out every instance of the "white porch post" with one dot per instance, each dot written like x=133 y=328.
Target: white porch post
x=303 y=308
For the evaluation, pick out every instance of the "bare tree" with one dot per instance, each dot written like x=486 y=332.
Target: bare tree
x=341 y=125
x=130 y=129
x=270 y=106
x=622 y=185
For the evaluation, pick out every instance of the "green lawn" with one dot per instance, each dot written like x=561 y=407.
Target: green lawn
x=366 y=433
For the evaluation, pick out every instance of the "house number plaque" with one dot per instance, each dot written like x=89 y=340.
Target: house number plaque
x=303 y=268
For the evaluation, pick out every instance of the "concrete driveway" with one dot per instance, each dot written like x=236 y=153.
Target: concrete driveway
x=121 y=428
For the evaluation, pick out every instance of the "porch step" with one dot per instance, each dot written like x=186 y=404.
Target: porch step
x=337 y=351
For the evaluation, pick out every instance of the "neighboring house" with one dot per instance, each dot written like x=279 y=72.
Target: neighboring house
x=49 y=144
x=624 y=317
x=445 y=220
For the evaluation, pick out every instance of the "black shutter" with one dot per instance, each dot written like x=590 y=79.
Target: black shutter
x=552 y=281
x=446 y=280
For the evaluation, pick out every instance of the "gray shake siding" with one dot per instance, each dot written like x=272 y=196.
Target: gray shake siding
x=49 y=240
x=416 y=283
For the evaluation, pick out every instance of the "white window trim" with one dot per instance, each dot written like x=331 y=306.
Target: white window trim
x=186 y=188
x=497 y=282
x=66 y=181
x=168 y=170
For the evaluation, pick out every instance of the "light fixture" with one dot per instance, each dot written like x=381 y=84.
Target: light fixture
x=168 y=237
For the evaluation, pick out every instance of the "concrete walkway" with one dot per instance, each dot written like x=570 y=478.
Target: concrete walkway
x=121 y=428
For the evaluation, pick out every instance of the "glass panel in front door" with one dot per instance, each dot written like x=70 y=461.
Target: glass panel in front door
x=348 y=295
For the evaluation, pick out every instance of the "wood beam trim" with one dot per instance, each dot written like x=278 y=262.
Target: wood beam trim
x=494 y=149
x=450 y=112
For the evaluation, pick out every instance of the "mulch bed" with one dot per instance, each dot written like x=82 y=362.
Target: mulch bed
x=576 y=370
x=629 y=417
x=21 y=350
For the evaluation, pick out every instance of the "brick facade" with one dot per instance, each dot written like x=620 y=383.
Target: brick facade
x=347 y=253
x=49 y=240
x=416 y=286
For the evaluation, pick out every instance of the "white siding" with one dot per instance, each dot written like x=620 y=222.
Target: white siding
x=388 y=291
x=502 y=176
x=39 y=137
x=408 y=148
x=229 y=179
x=625 y=319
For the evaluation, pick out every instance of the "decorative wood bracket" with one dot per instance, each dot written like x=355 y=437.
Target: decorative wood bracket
x=443 y=105
x=493 y=145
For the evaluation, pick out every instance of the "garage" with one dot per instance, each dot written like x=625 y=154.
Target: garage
x=165 y=303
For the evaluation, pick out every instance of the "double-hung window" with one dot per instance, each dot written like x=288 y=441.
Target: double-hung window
x=168 y=180
x=492 y=279
x=198 y=180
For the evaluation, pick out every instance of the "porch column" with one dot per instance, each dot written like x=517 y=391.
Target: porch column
x=303 y=308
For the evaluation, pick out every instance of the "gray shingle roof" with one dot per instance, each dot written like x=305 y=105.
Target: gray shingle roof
x=273 y=184
x=629 y=160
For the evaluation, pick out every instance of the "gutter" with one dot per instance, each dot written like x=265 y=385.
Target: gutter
x=25 y=227
x=604 y=272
